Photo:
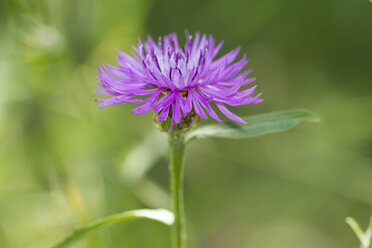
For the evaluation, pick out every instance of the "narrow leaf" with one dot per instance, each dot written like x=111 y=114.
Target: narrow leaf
x=160 y=215
x=256 y=125
x=357 y=230
x=369 y=232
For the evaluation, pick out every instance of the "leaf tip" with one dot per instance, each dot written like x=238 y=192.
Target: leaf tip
x=314 y=117
x=310 y=116
x=348 y=220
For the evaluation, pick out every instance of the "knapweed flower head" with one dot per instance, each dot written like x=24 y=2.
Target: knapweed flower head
x=178 y=82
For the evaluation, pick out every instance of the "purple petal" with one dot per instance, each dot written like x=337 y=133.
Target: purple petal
x=164 y=101
x=206 y=105
x=166 y=67
x=198 y=110
x=176 y=109
x=217 y=49
x=174 y=40
x=147 y=106
x=164 y=114
x=117 y=100
x=186 y=105
x=226 y=59
x=195 y=43
x=254 y=100
x=229 y=114
x=128 y=59
x=107 y=92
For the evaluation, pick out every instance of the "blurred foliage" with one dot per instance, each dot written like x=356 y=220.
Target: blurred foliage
x=64 y=163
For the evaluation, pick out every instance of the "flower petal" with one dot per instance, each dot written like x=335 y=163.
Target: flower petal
x=147 y=106
x=176 y=109
x=164 y=114
x=206 y=105
x=198 y=110
x=229 y=114
x=164 y=102
x=178 y=79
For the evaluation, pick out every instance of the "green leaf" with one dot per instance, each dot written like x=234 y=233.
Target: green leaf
x=356 y=228
x=256 y=125
x=365 y=238
x=160 y=215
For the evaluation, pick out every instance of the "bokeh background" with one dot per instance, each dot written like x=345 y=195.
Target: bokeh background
x=65 y=163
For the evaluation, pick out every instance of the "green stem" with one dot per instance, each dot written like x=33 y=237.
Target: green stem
x=176 y=158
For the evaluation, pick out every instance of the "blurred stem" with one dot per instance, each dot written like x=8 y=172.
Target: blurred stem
x=176 y=159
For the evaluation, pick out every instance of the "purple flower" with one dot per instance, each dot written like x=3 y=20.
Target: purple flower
x=178 y=80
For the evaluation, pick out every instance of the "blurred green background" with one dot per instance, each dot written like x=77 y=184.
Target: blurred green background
x=64 y=163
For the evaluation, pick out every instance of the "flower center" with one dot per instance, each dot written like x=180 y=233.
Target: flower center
x=187 y=123
x=165 y=92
